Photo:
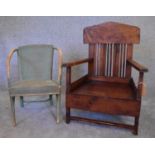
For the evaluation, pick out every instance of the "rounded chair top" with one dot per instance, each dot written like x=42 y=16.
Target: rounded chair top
x=111 y=32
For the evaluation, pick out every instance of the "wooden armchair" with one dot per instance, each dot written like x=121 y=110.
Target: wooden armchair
x=35 y=66
x=108 y=87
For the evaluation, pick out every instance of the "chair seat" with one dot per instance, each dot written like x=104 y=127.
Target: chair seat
x=106 y=89
x=34 y=87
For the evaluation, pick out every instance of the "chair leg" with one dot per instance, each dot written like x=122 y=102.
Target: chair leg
x=135 y=132
x=22 y=101
x=51 y=99
x=67 y=115
x=12 y=103
x=58 y=106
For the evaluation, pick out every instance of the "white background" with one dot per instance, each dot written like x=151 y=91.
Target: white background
x=77 y=146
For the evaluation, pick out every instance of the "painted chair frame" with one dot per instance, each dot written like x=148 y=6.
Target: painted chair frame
x=50 y=94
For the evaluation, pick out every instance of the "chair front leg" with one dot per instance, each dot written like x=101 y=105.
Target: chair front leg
x=13 y=116
x=135 y=131
x=68 y=87
x=58 y=108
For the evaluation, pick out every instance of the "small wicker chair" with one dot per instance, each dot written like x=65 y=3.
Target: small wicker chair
x=35 y=67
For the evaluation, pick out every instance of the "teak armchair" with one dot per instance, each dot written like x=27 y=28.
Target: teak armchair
x=108 y=87
x=35 y=68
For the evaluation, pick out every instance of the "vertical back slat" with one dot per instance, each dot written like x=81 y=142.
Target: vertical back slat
x=116 y=60
x=91 y=65
x=129 y=56
x=122 y=60
x=96 y=60
x=125 y=58
x=102 y=59
x=106 y=59
x=112 y=61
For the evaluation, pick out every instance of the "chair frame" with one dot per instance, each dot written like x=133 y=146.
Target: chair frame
x=12 y=98
x=87 y=103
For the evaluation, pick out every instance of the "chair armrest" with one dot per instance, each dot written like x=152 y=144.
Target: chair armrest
x=74 y=63
x=68 y=66
x=141 y=70
x=8 y=60
x=137 y=66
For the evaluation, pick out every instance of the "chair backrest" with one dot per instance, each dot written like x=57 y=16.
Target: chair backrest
x=111 y=44
x=35 y=62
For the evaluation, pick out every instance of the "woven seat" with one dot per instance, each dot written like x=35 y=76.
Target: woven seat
x=34 y=87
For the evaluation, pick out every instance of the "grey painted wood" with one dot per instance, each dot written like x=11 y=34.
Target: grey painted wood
x=34 y=87
x=35 y=65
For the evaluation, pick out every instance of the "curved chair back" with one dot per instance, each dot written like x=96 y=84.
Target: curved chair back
x=35 y=62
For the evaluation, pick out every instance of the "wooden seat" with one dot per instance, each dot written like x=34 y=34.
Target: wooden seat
x=108 y=87
x=104 y=89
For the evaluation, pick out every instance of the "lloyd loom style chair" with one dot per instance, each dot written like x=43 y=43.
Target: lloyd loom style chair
x=35 y=66
x=108 y=87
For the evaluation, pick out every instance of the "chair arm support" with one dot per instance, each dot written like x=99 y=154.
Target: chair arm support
x=68 y=79
x=74 y=63
x=68 y=71
x=137 y=66
x=60 y=57
x=8 y=60
x=140 y=85
x=70 y=85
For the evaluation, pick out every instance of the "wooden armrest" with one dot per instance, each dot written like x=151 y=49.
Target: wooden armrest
x=137 y=66
x=74 y=63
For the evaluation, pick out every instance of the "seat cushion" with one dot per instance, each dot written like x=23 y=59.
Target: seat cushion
x=34 y=87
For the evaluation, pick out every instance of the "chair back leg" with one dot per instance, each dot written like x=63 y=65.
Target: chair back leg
x=67 y=115
x=22 y=101
x=13 y=116
x=51 y=99
x=135 y=132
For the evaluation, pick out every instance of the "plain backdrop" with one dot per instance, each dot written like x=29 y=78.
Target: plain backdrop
x=67 y=33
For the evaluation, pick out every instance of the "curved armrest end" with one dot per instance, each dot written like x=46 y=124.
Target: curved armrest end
x=9 y=57
x=137 y=66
